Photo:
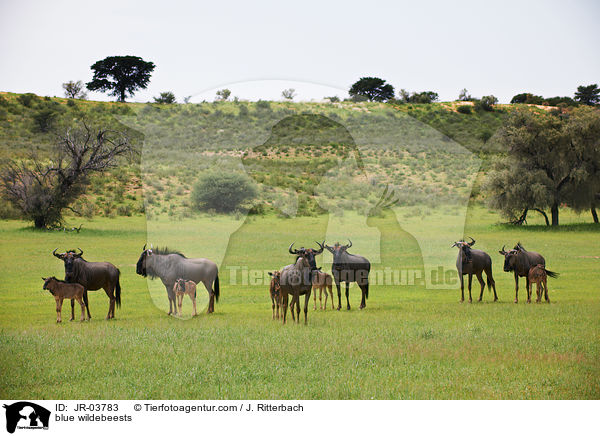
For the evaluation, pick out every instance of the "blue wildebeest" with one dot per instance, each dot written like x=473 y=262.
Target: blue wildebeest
x=538 y=275
x=275 y=292
x=322 y=282
x=472 y=261
x=61 y=290
x=296 y=279
x=92 y=276
x=520 y=261
x=170 y=265
x=349 y=268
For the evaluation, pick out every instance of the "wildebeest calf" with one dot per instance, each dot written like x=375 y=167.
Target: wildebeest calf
x=275 y=292
x=185 y=287
x=538 y=275
x=323 y=282
x=62 y=290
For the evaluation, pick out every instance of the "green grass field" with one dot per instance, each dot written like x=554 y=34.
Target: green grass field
x=409 y=343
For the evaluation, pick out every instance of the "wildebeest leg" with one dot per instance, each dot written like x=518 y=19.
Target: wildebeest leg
x=72 y=309
x=315 y=296
x=193 y=298
x=297 y=298
x=482 y=283
x=273 y=305
x=324 y=290
x=292 y=307
x=111 y=305
x=80 y=301
x=171 y=296
x=528 y=289
x=363 y=301
x=462 y=287
x=470 y=281
x=58 y=308
x=348 y=295
x=87 y=306
x=516 y=288
x=546 y=291
x=211 y=297
x=491 y=282
x=306 y=301
x=339 y=291
x=321 y=296
x=284 y=301
x=331 y=293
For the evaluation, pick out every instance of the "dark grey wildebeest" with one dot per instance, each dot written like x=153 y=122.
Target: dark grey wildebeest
x=296 y=279
x=170 y=265
x=520 y=261
x=349 y=268
x=92 y=276
x=472 y=261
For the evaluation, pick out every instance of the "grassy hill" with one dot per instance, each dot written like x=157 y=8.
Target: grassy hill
x=418 y=146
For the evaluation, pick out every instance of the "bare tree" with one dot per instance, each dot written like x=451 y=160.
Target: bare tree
x=74 y=90
x=42 y=191
x=288 y=94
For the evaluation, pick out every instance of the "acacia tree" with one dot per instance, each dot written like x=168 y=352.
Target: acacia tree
x=552 y=160
x=223 y=94
x=121 y=75
x=589 y=95
x=74 y=89
x=41 y=191
x=373 y=88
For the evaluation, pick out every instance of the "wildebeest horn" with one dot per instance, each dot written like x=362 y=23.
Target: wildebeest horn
x=503 y=251
x=321 y=248
x=350 y=245
x=54 y=253
x=290 y=249
x=472 y=242
x=144 y=249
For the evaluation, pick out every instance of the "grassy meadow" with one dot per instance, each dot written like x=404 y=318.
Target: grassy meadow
x=409 y=343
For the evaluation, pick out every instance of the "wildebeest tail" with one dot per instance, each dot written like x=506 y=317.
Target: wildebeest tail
x=217 y=292
x=367 y=291
x=552 y=274
x=118 y=289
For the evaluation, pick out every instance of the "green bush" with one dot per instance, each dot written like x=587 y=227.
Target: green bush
x=224 y=192
x=464 y=109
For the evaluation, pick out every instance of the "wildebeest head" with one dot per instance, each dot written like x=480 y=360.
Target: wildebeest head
x=510 y=257
x=308 y=255
x=465 y=247
x=179 y=285
x=69 y=257
x=140 y=267
x=339 y=254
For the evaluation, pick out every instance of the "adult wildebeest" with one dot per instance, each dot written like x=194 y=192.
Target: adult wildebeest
x=170 y=265
x=61 y=290
x=92 y=276
x=520 y=261
x=296 y=279
x=275 y=292
x=472 y=261
x=349 y=268
x=323 y=282
x=538 y=275
x=185 y=287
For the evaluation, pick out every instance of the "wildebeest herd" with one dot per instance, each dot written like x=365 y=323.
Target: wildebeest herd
x=180 y=275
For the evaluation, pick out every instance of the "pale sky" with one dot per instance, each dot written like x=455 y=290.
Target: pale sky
x=318 y=47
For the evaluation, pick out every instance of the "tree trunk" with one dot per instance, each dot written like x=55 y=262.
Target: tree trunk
x=545 y=216
x=39 y=222
x=554 y=210
x=594 y=214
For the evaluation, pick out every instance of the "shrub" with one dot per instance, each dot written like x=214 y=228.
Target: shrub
x=464 y=109
x=28 y=99
x=224 y=192
x=486 y=103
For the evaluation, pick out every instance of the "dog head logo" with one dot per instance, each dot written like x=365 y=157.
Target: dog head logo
x=26 y=415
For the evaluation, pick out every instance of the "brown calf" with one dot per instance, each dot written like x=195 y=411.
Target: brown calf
x=62 y=290
x=275 y=292
x=185 y=287
x=538 y=275
x=323 y=282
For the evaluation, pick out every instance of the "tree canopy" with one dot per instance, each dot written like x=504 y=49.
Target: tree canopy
x=373 y=88
x=589 y=95
x=552 y=160
x=121 y=75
